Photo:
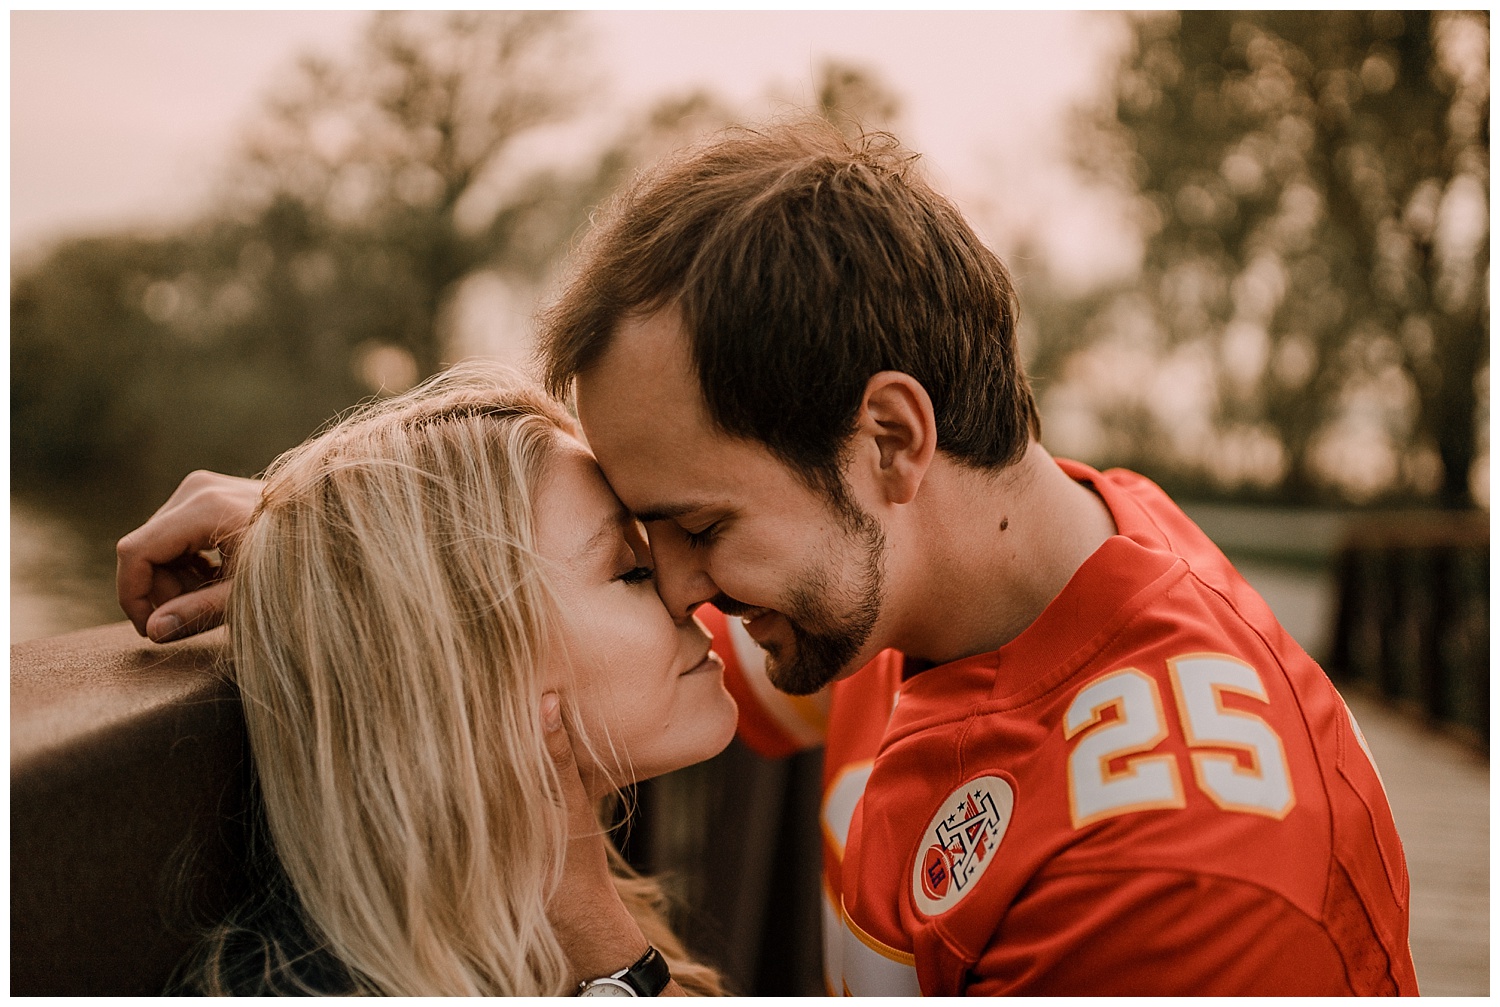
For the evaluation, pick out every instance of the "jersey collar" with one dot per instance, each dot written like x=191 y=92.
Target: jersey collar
x=1113 y=585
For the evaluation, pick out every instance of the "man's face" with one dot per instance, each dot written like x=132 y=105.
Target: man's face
x=730 y=524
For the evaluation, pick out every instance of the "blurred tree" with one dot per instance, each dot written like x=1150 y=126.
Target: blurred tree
x=365 y=193
x=67 y=415
x=1312 y=310
x=362 y=198
x=135 y=359
x=854 y=98
x=382 y=181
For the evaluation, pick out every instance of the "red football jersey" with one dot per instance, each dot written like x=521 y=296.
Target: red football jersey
x=1152 y=790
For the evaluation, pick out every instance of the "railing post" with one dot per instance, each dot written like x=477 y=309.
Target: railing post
x=1413 y=615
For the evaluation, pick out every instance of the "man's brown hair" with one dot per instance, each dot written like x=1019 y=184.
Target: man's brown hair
x=803 y=263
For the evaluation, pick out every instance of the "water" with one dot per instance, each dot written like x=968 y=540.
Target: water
x=60 y=579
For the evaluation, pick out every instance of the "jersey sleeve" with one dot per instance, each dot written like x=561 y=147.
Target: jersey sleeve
x=1156 y=933
x=772 y=723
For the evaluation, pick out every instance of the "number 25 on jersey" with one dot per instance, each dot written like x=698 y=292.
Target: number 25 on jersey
x=1139 y=724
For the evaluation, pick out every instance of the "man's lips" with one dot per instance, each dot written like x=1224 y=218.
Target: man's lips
x=757 y=622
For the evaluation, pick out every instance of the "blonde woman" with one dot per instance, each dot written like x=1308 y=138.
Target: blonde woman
x=427 y=592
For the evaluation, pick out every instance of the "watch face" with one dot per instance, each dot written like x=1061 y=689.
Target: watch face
x=606 y=987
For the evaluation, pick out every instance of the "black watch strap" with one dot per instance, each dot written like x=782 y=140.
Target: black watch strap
x=649 y=975
x=646 y=978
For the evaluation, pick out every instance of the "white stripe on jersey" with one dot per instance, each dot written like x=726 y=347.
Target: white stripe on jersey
x=833 y=946
x=840 y=801
x=872 y=969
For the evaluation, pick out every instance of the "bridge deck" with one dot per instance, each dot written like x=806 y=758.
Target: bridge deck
x=1439 y=790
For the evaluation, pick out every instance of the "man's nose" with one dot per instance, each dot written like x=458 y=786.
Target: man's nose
x=682 y=579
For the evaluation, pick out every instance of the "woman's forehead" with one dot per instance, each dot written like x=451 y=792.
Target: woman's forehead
x=576 y=506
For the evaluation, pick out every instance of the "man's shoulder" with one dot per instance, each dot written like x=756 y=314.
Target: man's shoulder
x=1174 y=747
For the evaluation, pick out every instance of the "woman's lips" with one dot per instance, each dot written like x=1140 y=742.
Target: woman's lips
x=710 y=662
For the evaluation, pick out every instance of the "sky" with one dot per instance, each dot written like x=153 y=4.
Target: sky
x=126 y=118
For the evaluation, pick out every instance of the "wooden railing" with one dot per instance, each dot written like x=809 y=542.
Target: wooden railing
x=1412 y=621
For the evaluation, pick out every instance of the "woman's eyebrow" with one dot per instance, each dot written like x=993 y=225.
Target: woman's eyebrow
x=607 y=534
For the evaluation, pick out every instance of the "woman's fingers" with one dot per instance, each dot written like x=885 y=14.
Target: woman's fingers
x=193 y=612
x=208 y=511
x=552 y=723
x=582 y=822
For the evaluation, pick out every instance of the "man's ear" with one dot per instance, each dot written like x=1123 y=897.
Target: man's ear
x=896 y=417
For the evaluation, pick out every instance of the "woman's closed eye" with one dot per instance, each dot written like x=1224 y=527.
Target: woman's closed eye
x=637 y=575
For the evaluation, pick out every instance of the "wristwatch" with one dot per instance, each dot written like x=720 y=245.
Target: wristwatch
x=646 y=978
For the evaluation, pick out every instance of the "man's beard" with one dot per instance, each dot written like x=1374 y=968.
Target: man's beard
x=825 y=641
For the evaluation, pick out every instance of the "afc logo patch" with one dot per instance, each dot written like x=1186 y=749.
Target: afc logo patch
x=960 y=842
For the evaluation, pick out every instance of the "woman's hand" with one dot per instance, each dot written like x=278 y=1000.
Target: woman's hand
x=165 y=585
x=596 y=930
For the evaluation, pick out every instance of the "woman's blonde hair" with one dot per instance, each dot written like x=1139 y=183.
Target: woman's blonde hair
x=389 y=620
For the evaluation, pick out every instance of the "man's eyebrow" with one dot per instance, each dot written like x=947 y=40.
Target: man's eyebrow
x=666 y=512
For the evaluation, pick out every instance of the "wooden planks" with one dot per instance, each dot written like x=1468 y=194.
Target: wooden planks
x=1439 y=789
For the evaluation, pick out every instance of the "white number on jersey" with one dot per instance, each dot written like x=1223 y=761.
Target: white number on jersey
x=1138 y=724
x=1095 y=791
x=1200 y=683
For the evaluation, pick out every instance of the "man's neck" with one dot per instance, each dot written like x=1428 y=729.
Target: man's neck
x=987 y=553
